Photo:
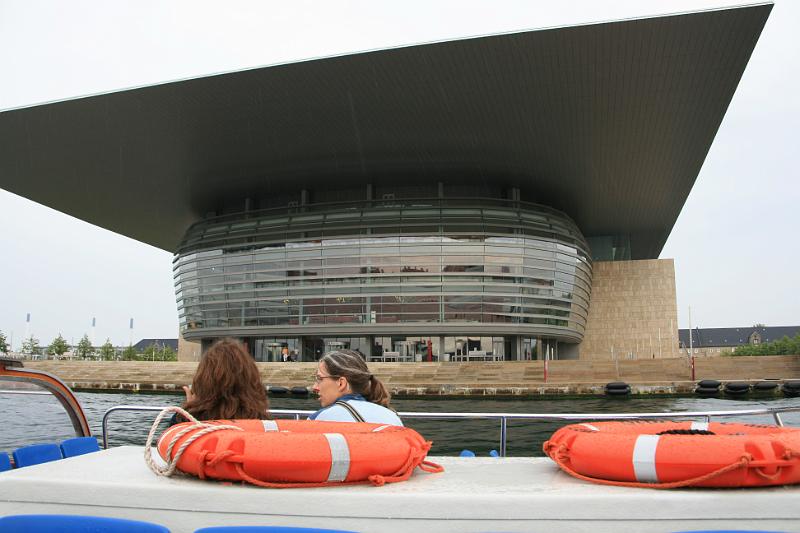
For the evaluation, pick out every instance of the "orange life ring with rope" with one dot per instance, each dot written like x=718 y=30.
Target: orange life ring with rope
x=293 y=453
x=678 y=454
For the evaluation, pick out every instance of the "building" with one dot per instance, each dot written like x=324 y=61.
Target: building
x=504 y=197
x=714 y=341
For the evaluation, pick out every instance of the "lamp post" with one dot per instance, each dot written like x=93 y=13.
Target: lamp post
x=691 y=350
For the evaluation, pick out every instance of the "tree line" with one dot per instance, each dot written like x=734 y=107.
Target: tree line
x=784 y=346
x=85 y=350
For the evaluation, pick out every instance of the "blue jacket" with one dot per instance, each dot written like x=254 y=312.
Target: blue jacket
x=370 y=412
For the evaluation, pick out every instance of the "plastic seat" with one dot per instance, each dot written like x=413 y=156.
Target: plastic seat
x=5 y=462
x=730 y=531
x=268 y=529
x=36 y=454
x=79 y=446
x=40 y=523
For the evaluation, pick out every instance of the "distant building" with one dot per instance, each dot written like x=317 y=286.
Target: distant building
x=161 y=343
x=713 y=341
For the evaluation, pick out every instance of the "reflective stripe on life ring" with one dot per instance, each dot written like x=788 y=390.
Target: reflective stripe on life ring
x=644 y=458
x=340 y=456
x=270 y=425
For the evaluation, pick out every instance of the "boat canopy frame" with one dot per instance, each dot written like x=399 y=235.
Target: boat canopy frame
x=13 y=370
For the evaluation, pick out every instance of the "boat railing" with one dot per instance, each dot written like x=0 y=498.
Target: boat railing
x=504 y=418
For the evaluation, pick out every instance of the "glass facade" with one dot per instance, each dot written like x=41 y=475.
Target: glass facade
x=375 y=270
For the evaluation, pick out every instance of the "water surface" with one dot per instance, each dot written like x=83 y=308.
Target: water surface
x=29 y=419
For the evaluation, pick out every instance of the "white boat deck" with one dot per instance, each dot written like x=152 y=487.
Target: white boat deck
x=474 y=494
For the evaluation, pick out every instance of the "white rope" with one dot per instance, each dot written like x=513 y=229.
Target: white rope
x=172 y=462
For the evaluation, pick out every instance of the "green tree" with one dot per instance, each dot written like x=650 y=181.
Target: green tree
x=152 y=352
x=130 y=354
x=159 y=352
x=784 y=346
x=58 y=347
x=3 y=343
x=168 y=354
x=107 y=351
x=31 y=346
x=84 y=348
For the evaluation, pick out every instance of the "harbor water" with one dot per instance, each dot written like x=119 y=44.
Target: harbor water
x=29 y=419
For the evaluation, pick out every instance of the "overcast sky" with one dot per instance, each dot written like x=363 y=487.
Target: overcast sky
x=735 y=243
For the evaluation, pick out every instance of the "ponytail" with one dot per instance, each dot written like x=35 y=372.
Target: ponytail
x=351 y=366
x=377 y=392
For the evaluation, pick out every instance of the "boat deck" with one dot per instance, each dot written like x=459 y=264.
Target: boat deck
x=474 y=494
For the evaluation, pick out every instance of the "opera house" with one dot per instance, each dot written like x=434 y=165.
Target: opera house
x=495 y=198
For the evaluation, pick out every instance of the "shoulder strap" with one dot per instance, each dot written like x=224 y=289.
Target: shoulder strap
x=352 y=410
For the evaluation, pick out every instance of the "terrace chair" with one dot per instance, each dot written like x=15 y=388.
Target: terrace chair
x=36 y=454
x=5 y=462
x=40 y=523
x=79 y=446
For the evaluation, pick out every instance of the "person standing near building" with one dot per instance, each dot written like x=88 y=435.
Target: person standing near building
x=349 y=392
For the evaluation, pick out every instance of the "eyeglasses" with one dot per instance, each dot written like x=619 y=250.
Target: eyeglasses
x=318 y=378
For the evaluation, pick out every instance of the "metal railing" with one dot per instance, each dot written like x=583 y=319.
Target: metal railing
x=503 y=418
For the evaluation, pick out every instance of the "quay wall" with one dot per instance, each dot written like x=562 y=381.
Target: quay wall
x=648 y=376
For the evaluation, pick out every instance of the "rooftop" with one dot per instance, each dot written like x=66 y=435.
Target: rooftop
x=608 y=122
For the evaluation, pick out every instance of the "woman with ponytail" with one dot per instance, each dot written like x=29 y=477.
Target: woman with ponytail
x=348 y=392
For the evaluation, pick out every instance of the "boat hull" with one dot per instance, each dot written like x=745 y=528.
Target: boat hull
x=474 y=494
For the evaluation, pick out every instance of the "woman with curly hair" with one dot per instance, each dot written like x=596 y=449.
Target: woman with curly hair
x=227 y=385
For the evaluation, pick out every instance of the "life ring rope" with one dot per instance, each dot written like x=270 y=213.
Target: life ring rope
x=560 y=452
x=207 y=459
x=674 y=454
x=172 y=461
x=377 y=480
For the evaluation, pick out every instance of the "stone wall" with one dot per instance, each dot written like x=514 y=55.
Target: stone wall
x=633 y=312
x=188 y=350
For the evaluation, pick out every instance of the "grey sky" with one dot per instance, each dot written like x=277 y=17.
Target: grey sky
x=735 y=243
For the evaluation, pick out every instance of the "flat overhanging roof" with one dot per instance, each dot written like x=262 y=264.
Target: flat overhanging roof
x=608 y=122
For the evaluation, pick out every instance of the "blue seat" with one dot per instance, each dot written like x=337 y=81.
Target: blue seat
x=268 y=529
x=79 y=446
x=5 y=462
x=40 y=523
x=466 y=453
x=35 y=454
x=729 y=531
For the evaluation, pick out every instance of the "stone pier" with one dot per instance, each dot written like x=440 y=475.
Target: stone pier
x=517 y=378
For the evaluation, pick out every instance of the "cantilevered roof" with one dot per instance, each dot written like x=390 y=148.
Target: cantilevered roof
x=608 y=122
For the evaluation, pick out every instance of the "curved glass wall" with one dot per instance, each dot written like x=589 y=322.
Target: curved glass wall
x=368 y=267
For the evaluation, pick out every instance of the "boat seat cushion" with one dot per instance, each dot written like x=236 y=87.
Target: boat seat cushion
x=5 y=462
x=268 y=529
x=79 y=446
x=75 y=524
x=35 y=454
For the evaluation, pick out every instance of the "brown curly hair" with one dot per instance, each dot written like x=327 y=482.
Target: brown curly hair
x=227 y=385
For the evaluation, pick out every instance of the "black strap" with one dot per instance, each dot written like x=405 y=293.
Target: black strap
x=351 y=410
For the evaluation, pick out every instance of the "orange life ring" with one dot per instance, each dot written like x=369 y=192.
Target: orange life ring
x=678 y=454
x=298 y=453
